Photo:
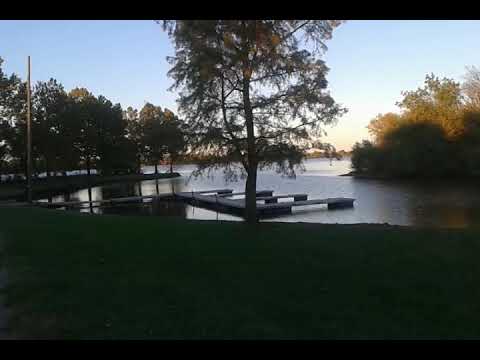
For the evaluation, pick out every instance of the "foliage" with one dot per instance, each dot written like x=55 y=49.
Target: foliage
x=436 y=134
x=49 y=110
x=151 y=118
x=79 y=130
x=111 y=132
x=83 y=106
x=418 y=149
x=382 y=124
x=366 y=157
x=135 y=136
x=439 y=102
x=469 y=144
x=174 y=131
x=471 y=87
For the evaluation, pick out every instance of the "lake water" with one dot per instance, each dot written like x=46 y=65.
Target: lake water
x=438 y=204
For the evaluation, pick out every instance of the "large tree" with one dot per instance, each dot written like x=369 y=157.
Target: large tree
x=439 y=101
x=100 y=130
x=471 y=87
x=83 y=112
x=253 y=91
x=151 y=119
x=135 y=136
x=382 y=125
x=111 y=132
x=4 y=125
x=4 y=147
x=50 y=103
x=174 y=133
x=13 y=117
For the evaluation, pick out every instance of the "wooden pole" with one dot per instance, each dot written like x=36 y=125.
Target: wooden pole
x=29 y=139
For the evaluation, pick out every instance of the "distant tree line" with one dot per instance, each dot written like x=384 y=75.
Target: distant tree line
x=436 y=134
x=328 y=152
x=77 y=130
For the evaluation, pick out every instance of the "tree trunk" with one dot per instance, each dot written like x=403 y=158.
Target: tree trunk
x=90 y=198
x=47 y=166
x=171 y=166
x=89 y=185
x=88 y=165
x=251 y=196
x=139 y=164
x=251 y=185
x=156 y=168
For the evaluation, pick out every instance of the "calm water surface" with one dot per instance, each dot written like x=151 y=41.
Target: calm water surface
x=438 y=204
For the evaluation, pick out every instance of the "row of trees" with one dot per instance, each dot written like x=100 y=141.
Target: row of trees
x=77 y=130
x=254 y=94
x=437 y=132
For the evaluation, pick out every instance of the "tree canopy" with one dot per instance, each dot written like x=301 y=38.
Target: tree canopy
x=471 y=87
x=439 y=102
x=78 y=130
x=437 y=133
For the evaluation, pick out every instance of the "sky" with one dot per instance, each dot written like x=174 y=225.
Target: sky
x=371 y=62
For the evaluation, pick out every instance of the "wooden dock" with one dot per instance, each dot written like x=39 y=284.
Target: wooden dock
x=270 y=206
x=222 y=200
x=129 y=199
x=259 y=193
x=97 y=203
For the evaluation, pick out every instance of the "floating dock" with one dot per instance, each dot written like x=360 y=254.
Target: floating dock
x=222 y=200
x=98 y=203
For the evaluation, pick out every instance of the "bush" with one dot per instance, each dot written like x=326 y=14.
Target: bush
x=366 y=158
x=419 y=149
x=416 y=149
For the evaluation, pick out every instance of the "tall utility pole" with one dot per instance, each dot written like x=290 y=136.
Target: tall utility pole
x=29 y=139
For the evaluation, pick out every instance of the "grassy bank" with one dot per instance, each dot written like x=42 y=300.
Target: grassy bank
x=86 y=276
x=59 y=184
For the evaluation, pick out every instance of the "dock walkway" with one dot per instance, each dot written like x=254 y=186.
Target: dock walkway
x=271 y=207
x=219 y=200
x=96 y=203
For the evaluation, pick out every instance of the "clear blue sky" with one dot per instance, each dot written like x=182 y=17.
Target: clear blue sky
x=371 y=62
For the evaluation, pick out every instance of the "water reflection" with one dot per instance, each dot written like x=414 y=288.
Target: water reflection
x=169 y=208
x=441 y=204
x=120 y=190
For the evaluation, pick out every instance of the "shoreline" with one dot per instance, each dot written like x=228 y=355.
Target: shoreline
x=366 y=176
x=410 y=178
x=59 y=184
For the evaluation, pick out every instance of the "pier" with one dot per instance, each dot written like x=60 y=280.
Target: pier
x=222 y=200
x=98 y=203
x=267 y=204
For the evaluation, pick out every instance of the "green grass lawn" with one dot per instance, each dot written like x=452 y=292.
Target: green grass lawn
x=89 y=276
